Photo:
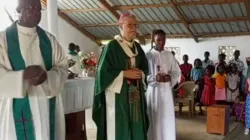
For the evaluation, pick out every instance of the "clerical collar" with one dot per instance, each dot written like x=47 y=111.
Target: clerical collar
x=120 y=39
x=26 y=30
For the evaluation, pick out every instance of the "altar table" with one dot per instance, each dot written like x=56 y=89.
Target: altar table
x=77 y=96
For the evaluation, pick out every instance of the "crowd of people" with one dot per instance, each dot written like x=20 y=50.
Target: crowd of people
x=219 y=83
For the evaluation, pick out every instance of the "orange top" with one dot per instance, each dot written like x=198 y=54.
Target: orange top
x=220 y=80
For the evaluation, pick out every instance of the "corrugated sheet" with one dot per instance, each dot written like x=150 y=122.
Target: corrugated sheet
x=196 y=12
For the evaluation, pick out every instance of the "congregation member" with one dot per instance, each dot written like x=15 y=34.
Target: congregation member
x=119 y=109
x=33 y=70
x=208 y=94
x=220 y=82
x=196 y=75
x=186 y=68
x=232 y=83
x=73 y=55
x=164 y=73
x=247 y=104
x=207 y=61
x=240 y=65
x=222 y=58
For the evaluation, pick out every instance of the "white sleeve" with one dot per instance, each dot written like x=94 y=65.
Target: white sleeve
x=175 y=72
x=151 y=78
x=57 y=76
x=116 y=85
x=12 y=84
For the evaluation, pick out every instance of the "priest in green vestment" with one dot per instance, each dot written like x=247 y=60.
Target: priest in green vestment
x=119 y=109
x=33 y=70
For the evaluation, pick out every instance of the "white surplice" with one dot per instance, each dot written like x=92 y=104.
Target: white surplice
x=77 y=68
x=12 y=86
x=160 y=97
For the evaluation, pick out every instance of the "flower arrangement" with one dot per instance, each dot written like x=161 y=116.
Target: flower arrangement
x=89 y=63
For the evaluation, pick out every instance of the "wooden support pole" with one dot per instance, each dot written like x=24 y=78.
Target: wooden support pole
x=75 y=25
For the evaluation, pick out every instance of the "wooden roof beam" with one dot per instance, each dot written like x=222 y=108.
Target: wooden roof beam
x=75 y=25
x=148 y=36
x=228 y=34
x=131 y=7
x=208 y=2
x=183 y=20
x=83 y=10
x=110 y=9
x=247 y=5
x=194 y=21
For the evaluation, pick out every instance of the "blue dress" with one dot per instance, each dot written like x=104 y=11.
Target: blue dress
x=198 y=74
x=247 y=121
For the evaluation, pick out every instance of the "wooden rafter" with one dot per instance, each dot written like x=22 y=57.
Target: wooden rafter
x=83 y=10
x=183 y=20
x=131 y=7
x=208 y=2
x=247 y=5
x=223 y=34
x=194 y=21
x=203 y=35
x=110 y=9
x=74 y=24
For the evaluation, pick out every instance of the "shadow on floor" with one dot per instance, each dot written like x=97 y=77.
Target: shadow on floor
x=237 y=133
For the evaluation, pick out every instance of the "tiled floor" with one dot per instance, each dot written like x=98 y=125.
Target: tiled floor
x=183 y=123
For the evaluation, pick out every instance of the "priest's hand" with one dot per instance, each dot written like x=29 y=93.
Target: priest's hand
x=167 y=78
x=35 y=74
x=132 y=74
x=40 y=79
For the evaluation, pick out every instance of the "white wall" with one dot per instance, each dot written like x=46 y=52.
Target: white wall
x=68 y=34
x=196 y=50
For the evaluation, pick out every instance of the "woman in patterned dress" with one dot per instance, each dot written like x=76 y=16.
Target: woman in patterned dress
x=247 y=115
x=233 y=83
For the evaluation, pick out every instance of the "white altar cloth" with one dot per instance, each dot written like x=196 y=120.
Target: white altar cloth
x=78 y=94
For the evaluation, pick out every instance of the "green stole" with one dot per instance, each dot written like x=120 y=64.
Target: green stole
x=21 y=107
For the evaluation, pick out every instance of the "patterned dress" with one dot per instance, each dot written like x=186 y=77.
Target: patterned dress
x=233 y=81
x=247 y=120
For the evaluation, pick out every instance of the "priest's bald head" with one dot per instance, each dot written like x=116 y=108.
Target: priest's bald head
x=30 y=12
x=128 y=26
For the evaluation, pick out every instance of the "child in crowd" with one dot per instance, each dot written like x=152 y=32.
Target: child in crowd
x=220 y=78
x=196 y=75
x=239 y=108
x=232 y=83
x=186 y=68
x=208 y=95
x=247 y=118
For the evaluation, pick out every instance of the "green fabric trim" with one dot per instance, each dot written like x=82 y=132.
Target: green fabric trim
x=21 y=107
x=113 y=60
x=73 y=53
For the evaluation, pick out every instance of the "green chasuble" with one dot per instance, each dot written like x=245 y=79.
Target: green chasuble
x=131 y=122
x=21 y=107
